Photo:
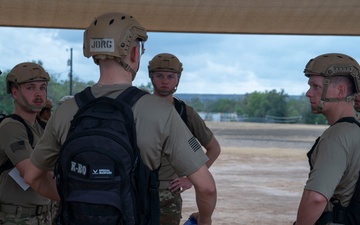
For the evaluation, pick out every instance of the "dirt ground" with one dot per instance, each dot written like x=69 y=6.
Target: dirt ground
x=260 y=173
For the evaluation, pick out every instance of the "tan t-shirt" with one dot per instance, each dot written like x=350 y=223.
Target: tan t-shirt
x=14 y=145
x=200 y=131
x=159 y=129
x=198 y=127
x=336 y=163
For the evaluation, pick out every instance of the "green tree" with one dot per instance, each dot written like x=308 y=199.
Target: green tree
x=253 y=104
x=275 y=103
x=198 y=105
x=59 y=88
x=6 y=101
x=223 y=105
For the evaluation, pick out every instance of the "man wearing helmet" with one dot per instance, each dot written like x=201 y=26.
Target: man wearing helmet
x=334 y=158
x=115 y=42
x=27 y=83
x=165 y=71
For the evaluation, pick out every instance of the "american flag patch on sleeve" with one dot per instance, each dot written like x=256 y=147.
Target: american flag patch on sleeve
x=17 y=146
x=194 y=144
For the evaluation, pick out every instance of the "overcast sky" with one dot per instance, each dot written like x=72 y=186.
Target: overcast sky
x=213 y=63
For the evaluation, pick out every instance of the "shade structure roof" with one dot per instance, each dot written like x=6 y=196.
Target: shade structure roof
x=308 y=17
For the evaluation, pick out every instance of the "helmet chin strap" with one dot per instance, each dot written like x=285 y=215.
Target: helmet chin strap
x=324 y=99
x=161 y=92
x=164 y=93
x=27 y=107
x=127 y=67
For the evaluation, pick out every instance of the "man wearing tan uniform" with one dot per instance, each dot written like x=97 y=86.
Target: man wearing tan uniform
x=115 y=41
x=27 y=83
x=165 y=71
x=333 y=81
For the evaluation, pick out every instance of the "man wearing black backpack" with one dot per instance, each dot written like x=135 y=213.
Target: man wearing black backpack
x=19 y=133
x=165 y=71
x=115 y=41
x=334 y=159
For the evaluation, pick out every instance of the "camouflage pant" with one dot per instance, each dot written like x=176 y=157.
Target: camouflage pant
x=12 y=219
x=54 y=211
x=170 y=207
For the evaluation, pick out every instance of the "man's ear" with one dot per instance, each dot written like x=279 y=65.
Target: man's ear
x=14 y=91
x=134 y=54
x=342 y=90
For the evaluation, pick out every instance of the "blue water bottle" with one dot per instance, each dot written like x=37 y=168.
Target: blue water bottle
x=191 y=221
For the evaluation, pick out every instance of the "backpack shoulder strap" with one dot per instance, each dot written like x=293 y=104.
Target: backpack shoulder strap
x=349 y=120
x=83 y=97
x=131 y=94
x=41 y=122
x=28 y=130
x=181 y=109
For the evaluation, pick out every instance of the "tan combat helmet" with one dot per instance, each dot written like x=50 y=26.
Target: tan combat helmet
x=24 y=73
x=165 y=62
x=330 y=65
x=110 y=35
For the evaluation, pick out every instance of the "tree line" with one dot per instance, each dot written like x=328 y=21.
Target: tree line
x=258 y=105
x=261 y=104
x=255 y=104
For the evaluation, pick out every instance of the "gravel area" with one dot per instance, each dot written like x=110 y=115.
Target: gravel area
x=260 y=173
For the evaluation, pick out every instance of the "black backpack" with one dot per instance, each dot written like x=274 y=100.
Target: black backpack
x=101 y=178
x=349 y=215
x=8 y=164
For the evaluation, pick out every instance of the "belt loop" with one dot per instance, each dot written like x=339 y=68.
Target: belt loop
x=18 y=212
x=39 y=210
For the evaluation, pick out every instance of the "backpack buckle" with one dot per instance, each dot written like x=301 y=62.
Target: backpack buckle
x=39 y=210
x=339 y=214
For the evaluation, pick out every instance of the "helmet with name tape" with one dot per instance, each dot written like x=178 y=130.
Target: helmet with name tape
x=111 y=34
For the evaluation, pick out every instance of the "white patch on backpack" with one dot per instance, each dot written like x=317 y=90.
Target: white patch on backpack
x=78 y=168
x=102 y=172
